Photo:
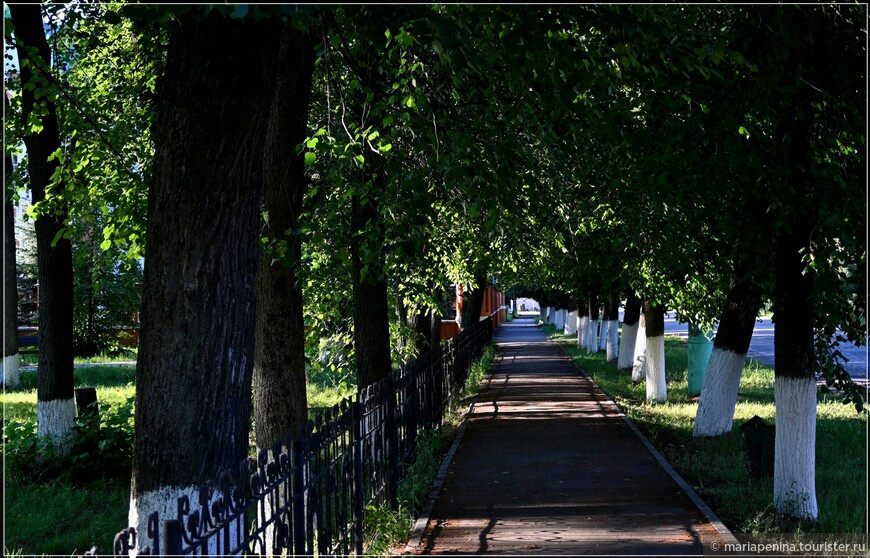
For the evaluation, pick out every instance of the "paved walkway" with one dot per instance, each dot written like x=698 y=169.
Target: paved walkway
x=547 y=465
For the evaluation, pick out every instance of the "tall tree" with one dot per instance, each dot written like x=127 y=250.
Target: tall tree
x=55 y=404
x=280 y=403
x=193 y=378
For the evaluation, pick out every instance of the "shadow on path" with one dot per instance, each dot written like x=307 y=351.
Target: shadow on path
x=548 y=466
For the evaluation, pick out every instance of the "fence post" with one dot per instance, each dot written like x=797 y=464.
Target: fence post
x=392 y=439
x=171 y=540
x=358 y=454
x=297 y=464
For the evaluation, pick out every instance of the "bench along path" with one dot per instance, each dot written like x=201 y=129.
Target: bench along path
x=547 y=465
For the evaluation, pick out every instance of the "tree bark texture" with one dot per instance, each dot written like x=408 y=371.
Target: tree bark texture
x=371 y=325
x=474 y=301
x=612 y=317
x=722 y=378
x=794 y=489
x=582 y=323
x=638 y=367
x=592 y=326
x=628 y=339
x=193 y=378
x=280 y=401
x=656 y=380
x=54 y=259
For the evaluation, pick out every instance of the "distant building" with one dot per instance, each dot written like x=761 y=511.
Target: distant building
x=527 y=305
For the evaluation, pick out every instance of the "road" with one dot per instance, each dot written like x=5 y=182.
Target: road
x=761 y=347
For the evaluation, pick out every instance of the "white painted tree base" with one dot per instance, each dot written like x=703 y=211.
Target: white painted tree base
x=591 y=336
x=626 y=346
x=571 y=324
x=602 y=335
x=582 y=330
x=55 y=419
x=10 y=370
x=612 y=341
x=719 y=393
x=164 y=501
x=638 y=367
x=794 y=476
x=560 y=319
x=656 y=382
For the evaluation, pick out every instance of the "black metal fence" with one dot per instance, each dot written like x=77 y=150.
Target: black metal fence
x=311 y=499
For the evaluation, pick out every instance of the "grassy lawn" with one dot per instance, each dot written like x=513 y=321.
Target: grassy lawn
x=715 y=467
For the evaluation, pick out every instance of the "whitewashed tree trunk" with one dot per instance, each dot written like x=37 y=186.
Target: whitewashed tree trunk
x=722 y=382
x=55 y=420
x=542 y=314
x=626 y=346
x=164 y=501
x=571 y=323
x=794 y=478
x=592 y=336
x=612 y=340
x=582 y=331
x=602 y=334
x=9 y=374
x=638 y=367
x=656 y=383
x=559 y=319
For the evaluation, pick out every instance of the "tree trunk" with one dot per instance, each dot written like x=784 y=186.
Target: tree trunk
x=371 y=321
x=193 y=379
x=592 y=326
x=639 y=365
x=612 y=317
x=630 y=322
x=9 y=370
x=55 y=405
x=280 y=401
x=582 y=323
x=656 y=382
x=603 y=330
x=722 y=378
x=571 y=324
x=794 y=478
x=474 y=301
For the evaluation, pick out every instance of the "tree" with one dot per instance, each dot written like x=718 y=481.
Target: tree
x=280 y=403
x=55 y=404
x=193 y=377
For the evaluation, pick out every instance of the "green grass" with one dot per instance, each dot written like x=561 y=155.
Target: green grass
x=715 y=467
x=128 y=355
x=61 y=519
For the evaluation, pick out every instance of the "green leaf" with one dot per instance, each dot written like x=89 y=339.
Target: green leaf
x=310 y=157
x=106 y=244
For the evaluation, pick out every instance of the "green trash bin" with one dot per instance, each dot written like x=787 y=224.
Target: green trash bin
x=700 y=348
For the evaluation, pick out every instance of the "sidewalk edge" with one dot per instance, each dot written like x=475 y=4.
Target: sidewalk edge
x=426 y=514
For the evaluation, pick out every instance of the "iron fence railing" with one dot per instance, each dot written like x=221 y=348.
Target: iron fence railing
x=311 y=499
